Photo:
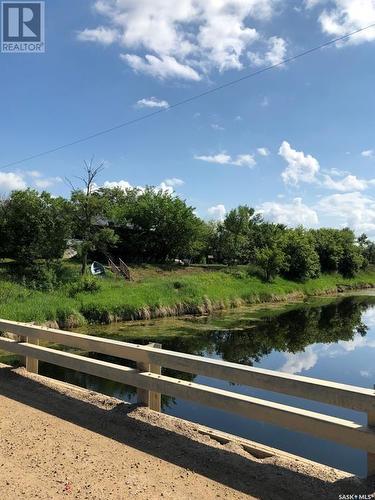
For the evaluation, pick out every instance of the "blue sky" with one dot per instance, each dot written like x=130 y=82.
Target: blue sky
x=297 y=142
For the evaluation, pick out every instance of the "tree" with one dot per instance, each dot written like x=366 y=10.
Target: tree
x=237 y=234
x=301 y=258
x=3 y=238
x=367 y=248
x=88 y=210
x=155 y=225
x=35 y=226
x=271 y=260
x=351 y=261
x=328 y=245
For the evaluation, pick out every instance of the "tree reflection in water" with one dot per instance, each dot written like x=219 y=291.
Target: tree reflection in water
x=232 y=338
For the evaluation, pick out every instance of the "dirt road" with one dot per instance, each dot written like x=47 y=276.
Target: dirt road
x=60 y=442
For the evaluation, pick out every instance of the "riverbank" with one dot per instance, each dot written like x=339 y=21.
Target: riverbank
x=157 y=292
x=57 y=440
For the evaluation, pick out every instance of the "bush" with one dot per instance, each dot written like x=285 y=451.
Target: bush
x=301 y=259
x=350 y=262
x=85 y=285
x=43 y=277
x=270 y=260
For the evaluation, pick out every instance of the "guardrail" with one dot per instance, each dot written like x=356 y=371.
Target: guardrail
x=150 y=383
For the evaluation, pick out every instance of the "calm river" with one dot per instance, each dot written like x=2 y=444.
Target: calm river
x=331 y=339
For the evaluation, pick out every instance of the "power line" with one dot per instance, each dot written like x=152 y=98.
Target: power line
x=191 y=98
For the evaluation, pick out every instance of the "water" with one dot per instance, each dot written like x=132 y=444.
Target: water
x=332 y=339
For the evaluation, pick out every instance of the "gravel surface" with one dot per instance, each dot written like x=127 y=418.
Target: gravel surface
x=59 y=441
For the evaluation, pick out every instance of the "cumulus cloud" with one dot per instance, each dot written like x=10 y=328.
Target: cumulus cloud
x=217 y=212
x=300 y=361
x=348 y=183
x=16 y=181
x=244 y=160
x=368 y=153
x=162 y=67
x=187 y=40
x=174 y=182
x=168 y=185
x=123 y=185
x=263 y=151
x=34 y=173
x=291 y=214
x=274 y=54
x=305 y=168
x=10 y=181
x=47 y=182
x=339 y=17
x=351 y=209
x=105 y=36
x=301 y=167
x=152 y=102
x=216 y=126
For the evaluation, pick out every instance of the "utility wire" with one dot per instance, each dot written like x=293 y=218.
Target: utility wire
x=191 y=98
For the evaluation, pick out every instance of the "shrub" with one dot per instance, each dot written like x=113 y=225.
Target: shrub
x=85 y=285
x=301 y=258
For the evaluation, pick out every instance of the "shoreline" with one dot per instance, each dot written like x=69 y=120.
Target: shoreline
x=157 y=293
x=209 y=307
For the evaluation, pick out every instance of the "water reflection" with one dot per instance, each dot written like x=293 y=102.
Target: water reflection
x=329 y=339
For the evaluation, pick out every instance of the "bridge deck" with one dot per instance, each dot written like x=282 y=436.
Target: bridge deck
x=57 y=440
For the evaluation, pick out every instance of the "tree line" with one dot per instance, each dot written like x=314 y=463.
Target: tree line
x=155 y=226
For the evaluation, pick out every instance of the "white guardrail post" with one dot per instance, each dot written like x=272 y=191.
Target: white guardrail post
x=32 y=364
x=149 y=398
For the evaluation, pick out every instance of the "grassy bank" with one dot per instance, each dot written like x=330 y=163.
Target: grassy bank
x=160 y=293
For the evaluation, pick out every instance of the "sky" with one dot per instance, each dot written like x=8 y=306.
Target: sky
x=296 y=142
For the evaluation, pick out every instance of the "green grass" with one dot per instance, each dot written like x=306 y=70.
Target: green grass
x=159 y=292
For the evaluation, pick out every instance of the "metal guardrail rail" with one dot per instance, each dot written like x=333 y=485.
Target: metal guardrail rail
x=150 y=383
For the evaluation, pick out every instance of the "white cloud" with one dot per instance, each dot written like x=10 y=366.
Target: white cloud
x=164 y=67
x=34 y=173
x=263 y=151
x=351 y=209
x=274 y=54
x=306 y=168
x=340 y=17
x=218 y=212
x=301 y=167
x=167 y=185
x=174 y=182
x=152 y=102
x=124 y=185
x=291 y=214
x=100 y=34
x=244 y=160
x=215 y=126
x=47 y=182
x=335 y=172
x=163 y=186
x=300 y=361
x=368 y=153
x=307 y=359
x=185 y=40
x=10 y=181
x=348 y=183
